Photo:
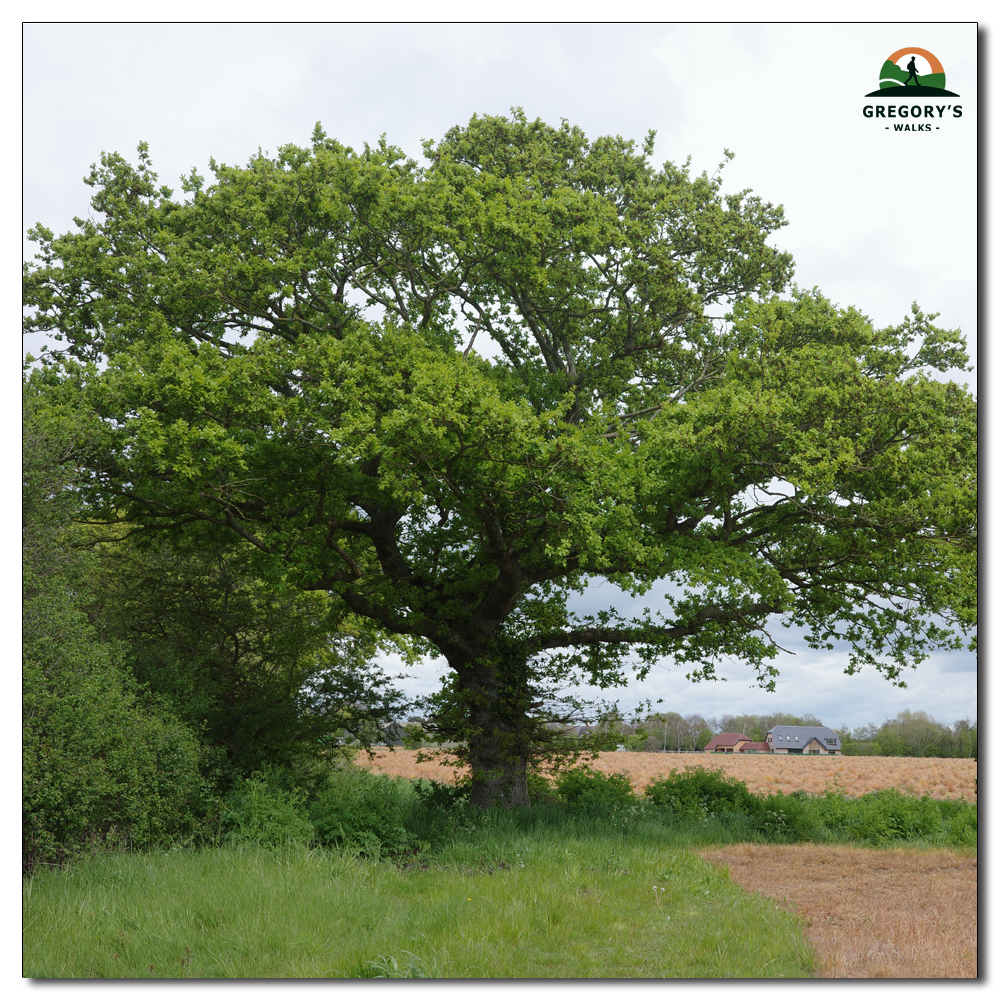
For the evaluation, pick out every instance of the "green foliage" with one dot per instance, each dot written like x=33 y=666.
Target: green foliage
x=368 y=812
x=102 y=764
x=585 y=788
x=264 y=671
x=788 y=818
x=698 y=792
x=960 y=821
x=913 y=734
x=671 y=731
x=880 y=817
x=262 y=812
x=100 y=769
x=442 y=796
x=705 y=796
x=541 y=790
x=414 y=736
x=637 y=741
x=286 y=361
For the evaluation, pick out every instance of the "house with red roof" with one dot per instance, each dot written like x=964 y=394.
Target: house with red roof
x=736 y=743
x=726 y=742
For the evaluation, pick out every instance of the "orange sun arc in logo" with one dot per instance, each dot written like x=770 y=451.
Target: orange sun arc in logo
x=936 y=66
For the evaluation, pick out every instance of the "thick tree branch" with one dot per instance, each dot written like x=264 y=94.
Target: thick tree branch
x=652 y=633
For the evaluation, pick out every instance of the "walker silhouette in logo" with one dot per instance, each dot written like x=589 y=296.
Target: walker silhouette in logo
x=895 y=80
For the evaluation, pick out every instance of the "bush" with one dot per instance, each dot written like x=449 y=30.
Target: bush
x=585 y=788
x=258 y=811
x=440 y=796
x=100 y=767
x=541 y=790
x=880 y=817
x=788 y=817
x=365 y=811
x=960 y=821
x=699 y=792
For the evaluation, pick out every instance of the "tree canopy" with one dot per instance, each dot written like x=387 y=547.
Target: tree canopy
x=295 y=356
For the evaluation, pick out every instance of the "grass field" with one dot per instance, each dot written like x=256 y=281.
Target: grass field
x=512 y=904
x=376 y=877
x=938 y=777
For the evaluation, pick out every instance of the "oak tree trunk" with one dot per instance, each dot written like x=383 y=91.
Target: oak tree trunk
x=498 y=779
x=494 y=703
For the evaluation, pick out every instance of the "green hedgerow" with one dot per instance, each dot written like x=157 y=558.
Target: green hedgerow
x=700 y=792
x=585 y=788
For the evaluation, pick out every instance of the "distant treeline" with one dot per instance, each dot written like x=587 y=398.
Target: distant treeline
x=913 y=734
x=909 y=734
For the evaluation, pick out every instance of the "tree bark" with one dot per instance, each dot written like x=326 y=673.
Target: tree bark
x=498 y=781
x=493 y=706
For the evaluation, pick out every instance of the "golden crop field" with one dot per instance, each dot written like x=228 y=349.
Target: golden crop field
x=939 y=777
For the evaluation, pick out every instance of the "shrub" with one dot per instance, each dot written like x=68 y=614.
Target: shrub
x=441 y=796
x=365 y=811
x=541 y=790
x=960 y=821
x=788 y=817
x=880 y=816
x=584 y=788
x=100 y=766
x=258 y=811
x=702 y=794
x=699 y=792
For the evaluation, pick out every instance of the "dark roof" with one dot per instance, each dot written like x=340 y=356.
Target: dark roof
x=787 y=734
x=755 y=746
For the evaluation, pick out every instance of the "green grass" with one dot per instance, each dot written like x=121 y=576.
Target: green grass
x=369 y=876
x=504 y=902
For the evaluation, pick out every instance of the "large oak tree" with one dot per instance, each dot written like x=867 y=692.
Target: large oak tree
x=291 y=356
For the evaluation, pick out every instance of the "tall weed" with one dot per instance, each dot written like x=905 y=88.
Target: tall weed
x=368 y=812
x=259 y=811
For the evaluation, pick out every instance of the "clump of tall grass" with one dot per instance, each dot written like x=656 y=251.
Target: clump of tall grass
x=499 y=901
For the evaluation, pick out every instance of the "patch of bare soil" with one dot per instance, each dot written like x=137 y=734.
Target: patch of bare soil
x=894 y=914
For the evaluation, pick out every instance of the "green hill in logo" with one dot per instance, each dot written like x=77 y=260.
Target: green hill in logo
x=895 y=81
x=892 y=76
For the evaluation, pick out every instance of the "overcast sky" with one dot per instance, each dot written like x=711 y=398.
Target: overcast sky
x=877 y=218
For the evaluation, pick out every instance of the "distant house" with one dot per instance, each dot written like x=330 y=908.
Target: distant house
x=726 y=742
x=750 y=747
x=803 y=739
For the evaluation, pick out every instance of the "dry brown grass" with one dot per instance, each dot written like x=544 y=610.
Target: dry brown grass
x=939 y=777
x=899 y=914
